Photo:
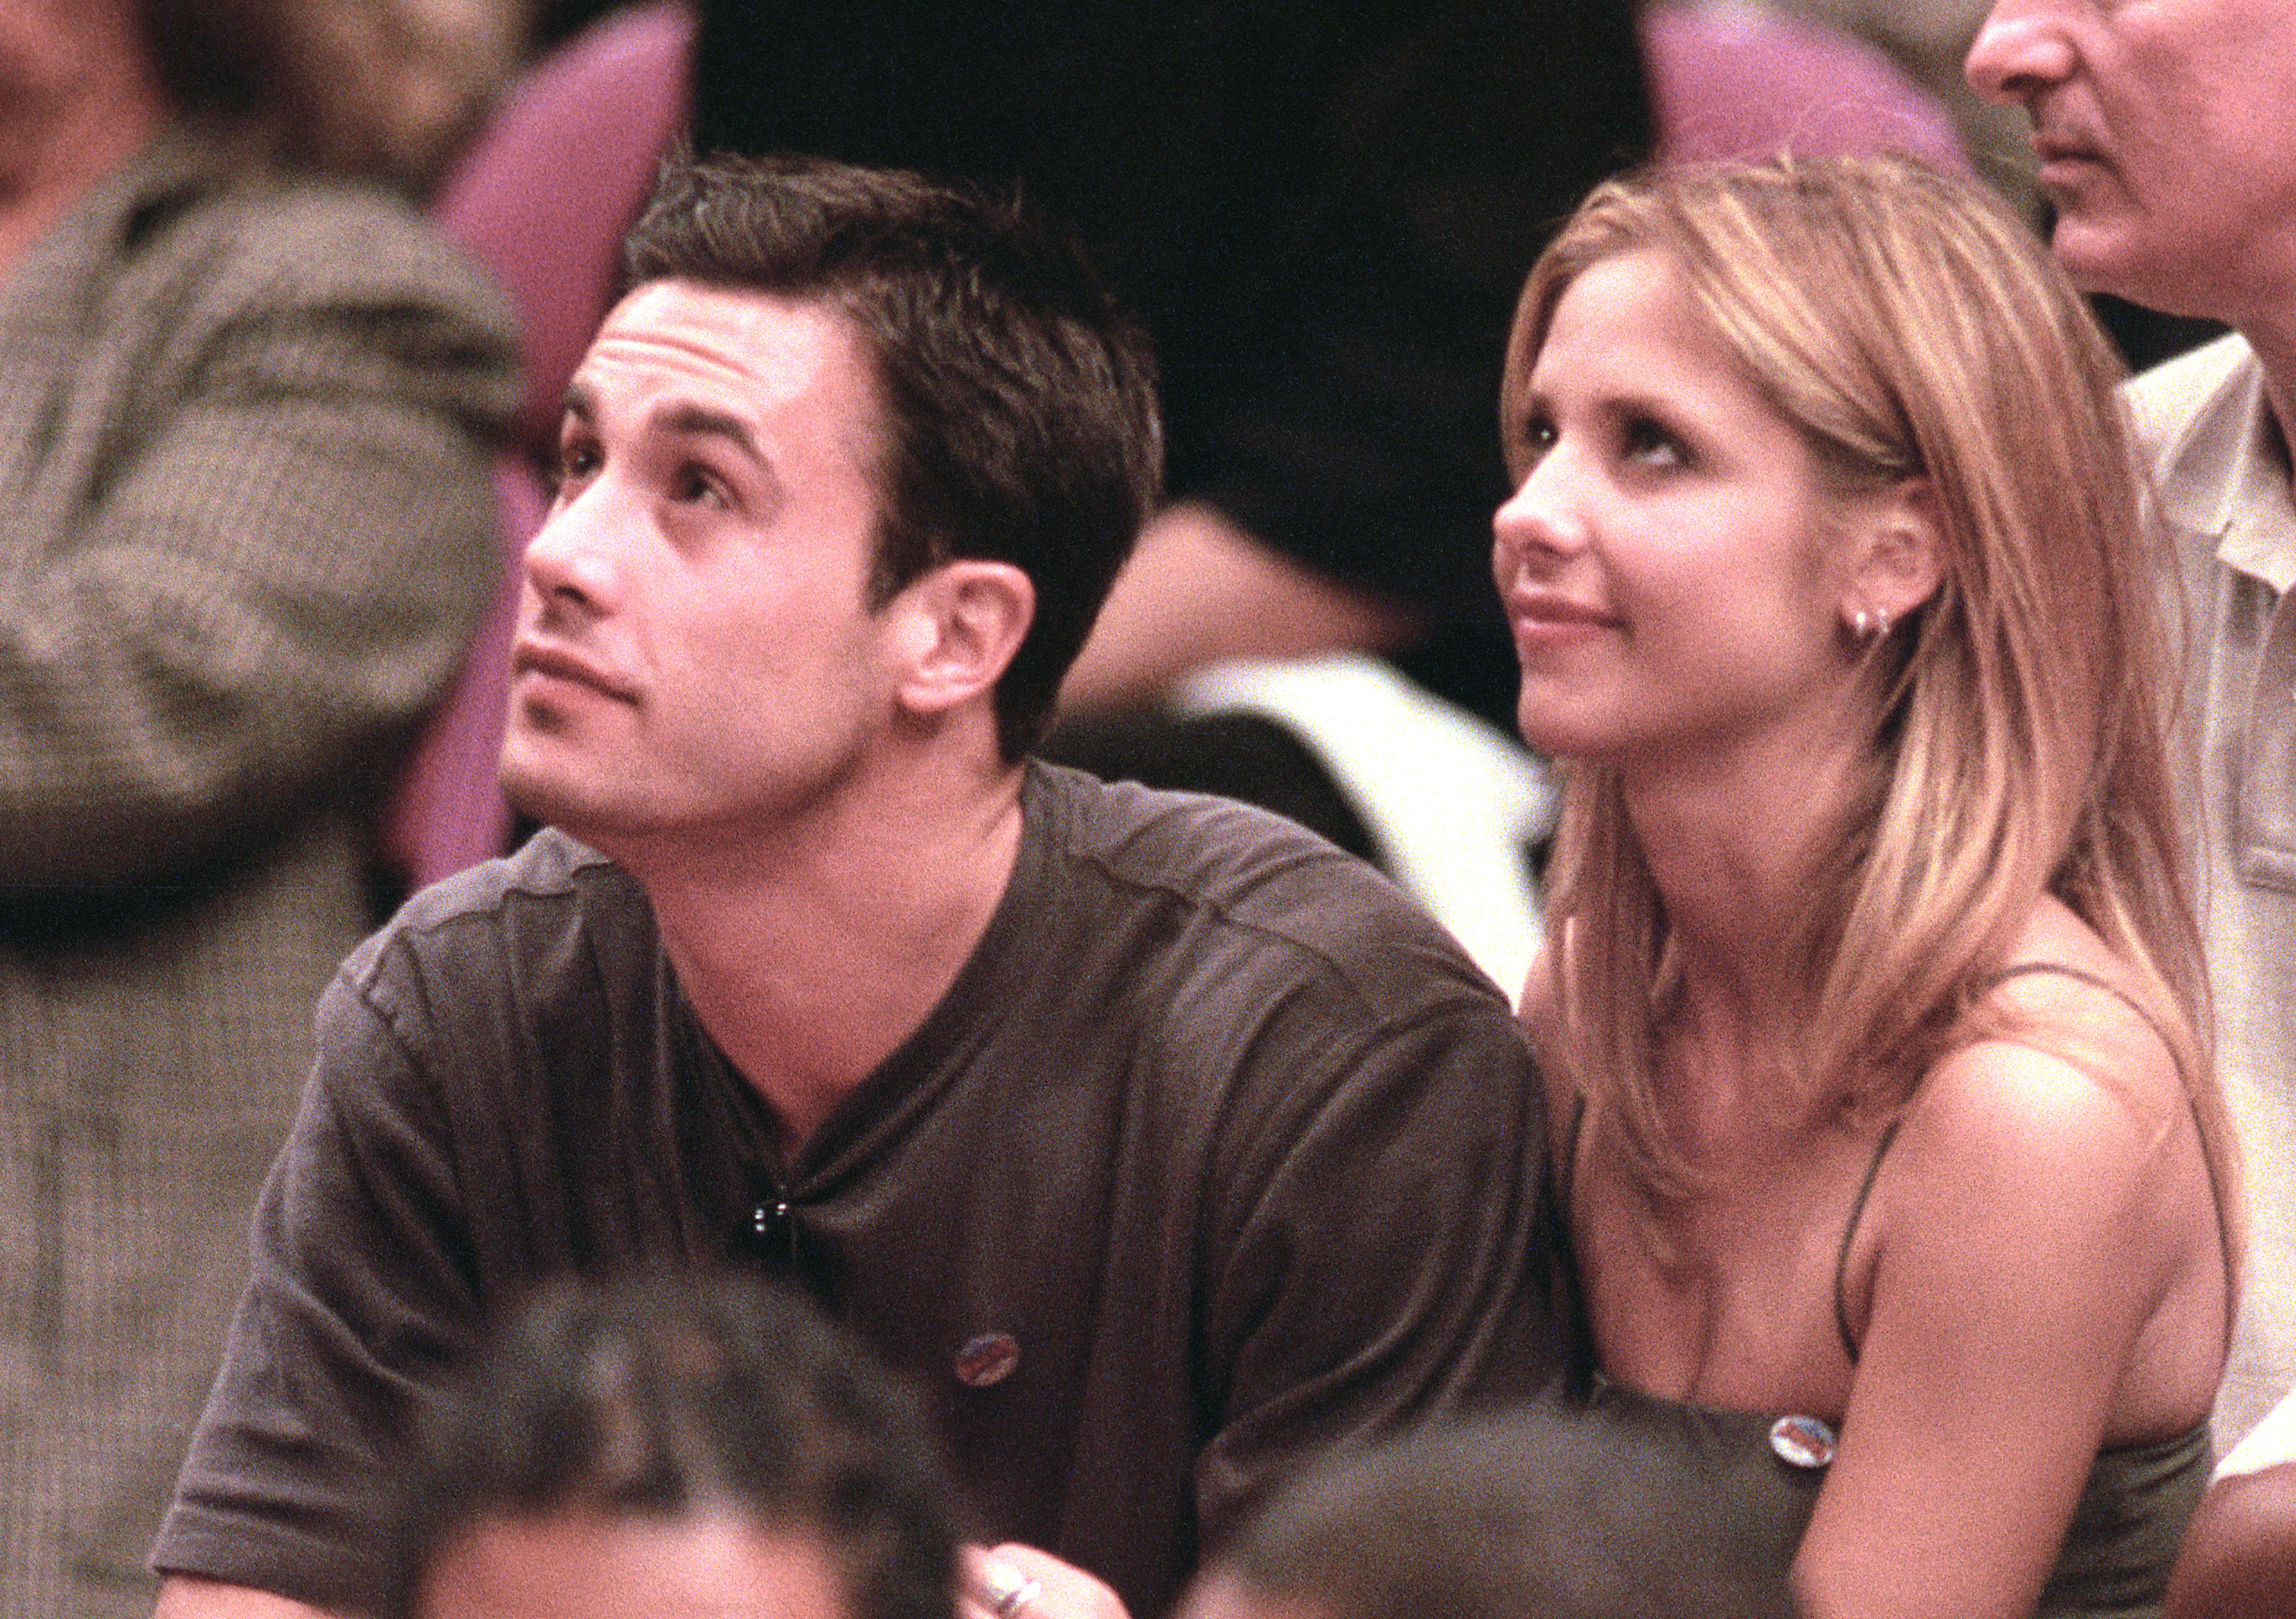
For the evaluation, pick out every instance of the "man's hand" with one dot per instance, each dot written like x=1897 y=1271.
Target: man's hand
x=1015 y=1581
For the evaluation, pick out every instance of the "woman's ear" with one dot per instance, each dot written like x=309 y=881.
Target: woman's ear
x=957 y=628
x=1898 y=556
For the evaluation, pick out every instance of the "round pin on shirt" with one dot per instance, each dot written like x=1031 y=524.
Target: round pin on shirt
x=988 y=1360
x=1801 y=1441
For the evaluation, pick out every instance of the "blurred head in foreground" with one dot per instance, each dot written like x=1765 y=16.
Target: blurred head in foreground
x=666 y=1447
x=1540 y=1514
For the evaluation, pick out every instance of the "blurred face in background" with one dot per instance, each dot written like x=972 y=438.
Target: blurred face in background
x=77 y=92
x=586 y=1565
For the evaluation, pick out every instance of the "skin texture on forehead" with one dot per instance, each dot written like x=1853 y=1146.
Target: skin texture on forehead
x=583 y=1565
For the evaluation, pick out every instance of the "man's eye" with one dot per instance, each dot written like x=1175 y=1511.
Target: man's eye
x=697 y=485
x=569 y=464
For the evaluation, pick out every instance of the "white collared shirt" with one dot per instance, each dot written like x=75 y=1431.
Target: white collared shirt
x=2222 y=481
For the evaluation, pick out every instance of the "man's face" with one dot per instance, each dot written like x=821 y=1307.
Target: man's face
x=695 y=656
x=573 y=1565
x=2167 y=135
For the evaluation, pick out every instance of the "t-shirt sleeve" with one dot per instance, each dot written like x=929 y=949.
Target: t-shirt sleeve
x=1388 y=1255
x=362 y=1290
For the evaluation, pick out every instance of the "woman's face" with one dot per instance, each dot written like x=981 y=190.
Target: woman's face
x=1665 y=561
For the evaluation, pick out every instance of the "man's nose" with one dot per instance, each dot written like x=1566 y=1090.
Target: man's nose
x=573 y=560
x=2020 y=49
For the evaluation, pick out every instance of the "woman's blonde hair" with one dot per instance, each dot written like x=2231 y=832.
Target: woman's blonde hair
x=1910 y=327
x=385 y=89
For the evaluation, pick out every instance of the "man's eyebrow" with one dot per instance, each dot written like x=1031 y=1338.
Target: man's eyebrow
x=699 y=420
x=686 y=419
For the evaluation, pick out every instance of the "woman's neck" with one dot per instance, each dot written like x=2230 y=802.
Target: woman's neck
x=1736 y=845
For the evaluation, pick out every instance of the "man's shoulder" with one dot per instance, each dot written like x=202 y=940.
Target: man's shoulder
x=553 y=900
x=2165 y=401
x=1251 y=884
x=188 y=247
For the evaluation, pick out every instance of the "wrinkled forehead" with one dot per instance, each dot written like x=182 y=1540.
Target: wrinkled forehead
x=755 y=343
x=775 y=370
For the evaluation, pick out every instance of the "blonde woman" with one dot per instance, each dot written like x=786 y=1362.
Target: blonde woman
x=1871 y=1015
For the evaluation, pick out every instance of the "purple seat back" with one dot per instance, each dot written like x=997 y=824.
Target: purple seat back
x=541 y=197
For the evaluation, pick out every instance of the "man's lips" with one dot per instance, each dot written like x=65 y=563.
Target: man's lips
x=529 y=657
x=2062 y=153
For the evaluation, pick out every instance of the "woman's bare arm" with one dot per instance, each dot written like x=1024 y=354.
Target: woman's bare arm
x=2031 y=1229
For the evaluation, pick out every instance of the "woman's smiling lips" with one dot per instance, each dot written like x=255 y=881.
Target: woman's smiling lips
x=1542 y=618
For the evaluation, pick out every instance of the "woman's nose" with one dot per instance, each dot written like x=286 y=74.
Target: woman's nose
x=1542 y=516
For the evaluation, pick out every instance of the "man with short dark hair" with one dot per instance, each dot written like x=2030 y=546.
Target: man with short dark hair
x=1160 y=1142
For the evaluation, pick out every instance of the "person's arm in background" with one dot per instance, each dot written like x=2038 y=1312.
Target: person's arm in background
x=250 y=549
x=1199 y=589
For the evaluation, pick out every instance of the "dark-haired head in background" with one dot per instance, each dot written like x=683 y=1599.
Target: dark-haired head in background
x=1528 y=1515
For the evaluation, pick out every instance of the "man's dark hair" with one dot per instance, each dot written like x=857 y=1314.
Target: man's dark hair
x=1020 y=419
x=669 y=1397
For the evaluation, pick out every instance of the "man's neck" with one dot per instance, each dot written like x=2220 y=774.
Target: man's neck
x=811 y=957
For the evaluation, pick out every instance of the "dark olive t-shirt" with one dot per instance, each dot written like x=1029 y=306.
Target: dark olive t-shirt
x=1224 y=1135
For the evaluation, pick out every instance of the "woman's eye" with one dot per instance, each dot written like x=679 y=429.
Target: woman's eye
x=1533 y=440
x=1646 y=443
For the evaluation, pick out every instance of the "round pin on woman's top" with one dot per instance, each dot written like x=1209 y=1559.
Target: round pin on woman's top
x=1801 y=1441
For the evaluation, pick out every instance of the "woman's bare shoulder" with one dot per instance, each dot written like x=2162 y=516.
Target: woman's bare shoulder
x=2066 y=1001
x=2067 y=1088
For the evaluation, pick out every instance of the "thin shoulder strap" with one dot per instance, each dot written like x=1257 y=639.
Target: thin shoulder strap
x=2095 y=981
x=1849 y=1233
x=1857 y=1209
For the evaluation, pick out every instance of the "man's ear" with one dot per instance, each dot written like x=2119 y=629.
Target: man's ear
x=957 y=628
x=1897 y=560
